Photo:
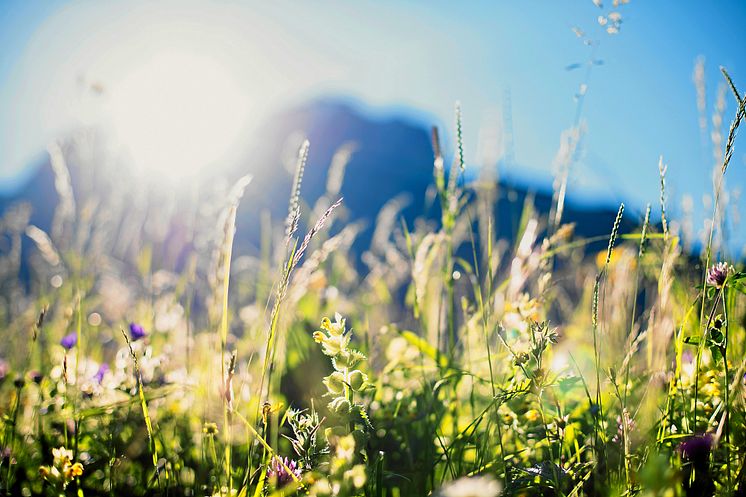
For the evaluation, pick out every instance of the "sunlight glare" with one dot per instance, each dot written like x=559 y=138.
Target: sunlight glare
x=177 y=114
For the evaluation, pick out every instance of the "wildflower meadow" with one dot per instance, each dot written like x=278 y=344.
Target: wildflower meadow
x=145 y=352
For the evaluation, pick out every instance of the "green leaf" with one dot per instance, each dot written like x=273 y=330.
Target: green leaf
x=360 y=415
x=717 y=354
x=716 y=337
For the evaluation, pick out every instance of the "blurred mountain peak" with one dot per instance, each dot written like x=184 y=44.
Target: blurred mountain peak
x=370 y=156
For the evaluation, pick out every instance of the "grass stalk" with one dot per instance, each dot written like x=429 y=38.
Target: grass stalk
x=145 y=412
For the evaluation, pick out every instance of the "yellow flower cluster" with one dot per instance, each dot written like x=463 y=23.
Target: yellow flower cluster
x=63 y=469
x=335 y=341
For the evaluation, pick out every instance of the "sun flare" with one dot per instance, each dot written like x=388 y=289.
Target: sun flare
x=177 y=114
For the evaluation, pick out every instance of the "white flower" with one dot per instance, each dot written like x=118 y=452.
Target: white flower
x=474 y=486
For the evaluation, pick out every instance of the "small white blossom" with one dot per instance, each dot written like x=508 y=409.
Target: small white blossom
x=474 y=486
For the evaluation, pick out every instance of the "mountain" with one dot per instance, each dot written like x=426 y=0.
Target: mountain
x=388 y=157
x=391 y=157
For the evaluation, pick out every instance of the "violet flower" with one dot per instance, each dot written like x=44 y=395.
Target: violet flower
x=102 y=370
x=69 y=340
x=697 y=448
x=717 y=274
x=136 y=332
x=277 y=471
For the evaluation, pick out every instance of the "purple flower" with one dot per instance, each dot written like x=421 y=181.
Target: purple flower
x=136 y=332
x=69 y=340
x=687 y=356
x=696 y=448
x=277 y=471
x=717 y=274
x=4 y=368
x=102 y=370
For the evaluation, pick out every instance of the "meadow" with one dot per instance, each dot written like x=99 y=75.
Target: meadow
x=448 y=362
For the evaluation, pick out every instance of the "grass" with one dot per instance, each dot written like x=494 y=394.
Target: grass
x=458 y=366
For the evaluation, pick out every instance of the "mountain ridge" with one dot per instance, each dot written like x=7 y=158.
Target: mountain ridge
x=389 y=157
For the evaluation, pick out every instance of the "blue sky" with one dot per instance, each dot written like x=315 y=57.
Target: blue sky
x=415 y=58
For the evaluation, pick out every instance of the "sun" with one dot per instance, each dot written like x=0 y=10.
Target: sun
x=177 y=114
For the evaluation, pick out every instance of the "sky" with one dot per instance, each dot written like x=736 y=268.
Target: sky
x=235 y=63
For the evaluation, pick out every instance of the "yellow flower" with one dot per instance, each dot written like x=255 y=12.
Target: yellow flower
x=356 y=476
x=532 y=415
x=210 y=429
x=346 y=448
x=62 y=456
x=336 y=328
x=711 y=390
x=63 y=471
x=332 y=345
x=73 y=470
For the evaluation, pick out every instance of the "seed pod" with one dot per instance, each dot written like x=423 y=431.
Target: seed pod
x=340 y=405
x=357 y=379
x=335 y=382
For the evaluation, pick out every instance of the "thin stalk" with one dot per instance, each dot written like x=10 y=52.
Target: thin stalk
x=700 y=348
x=594 y=320
x=484 y=313
x=740 y=112
x=726 y=418
x=12 y=430
x=640 y=253
x=145 y=412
